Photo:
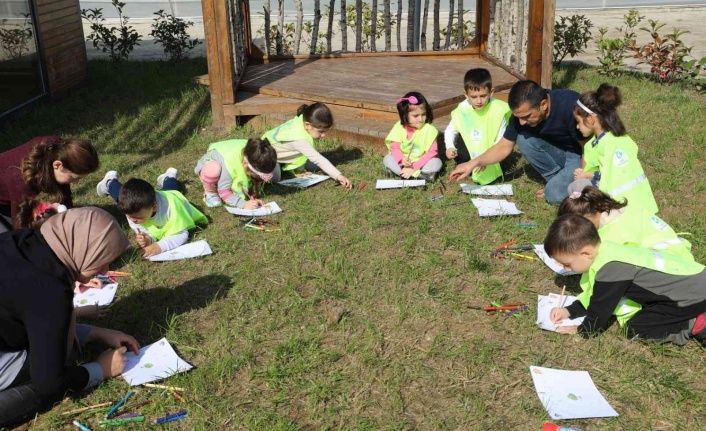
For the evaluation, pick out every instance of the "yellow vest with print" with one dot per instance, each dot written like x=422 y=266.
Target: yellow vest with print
x=292 y=130
x=622 y=176
x=179 y=218
x=639 y=228
x=414 y=148
x=232 y=152
x=479 y=130
x=643 y=257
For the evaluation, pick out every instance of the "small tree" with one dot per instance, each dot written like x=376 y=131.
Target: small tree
x=170 y=32
x=118 y=41
x=613 y=50
x=15 y=41
x=571 y=36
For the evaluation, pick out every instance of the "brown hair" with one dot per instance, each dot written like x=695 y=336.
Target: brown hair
x=317 y=114
x=591 y=201
x=604 y=102
x=263 y=157
x=569 y=233
x=27 y=218
x=477 y=79
x=76 y=155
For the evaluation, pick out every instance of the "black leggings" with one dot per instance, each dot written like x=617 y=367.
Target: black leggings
x=19 y=402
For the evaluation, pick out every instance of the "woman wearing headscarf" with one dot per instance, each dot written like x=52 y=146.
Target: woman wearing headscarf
x=38 y=331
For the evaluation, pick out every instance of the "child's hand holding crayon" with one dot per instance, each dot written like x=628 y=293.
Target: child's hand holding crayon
x=407 y=173
x=558 y=314
x=451 y=153
x=143 y=239
x=253 y=204
x=345 y=182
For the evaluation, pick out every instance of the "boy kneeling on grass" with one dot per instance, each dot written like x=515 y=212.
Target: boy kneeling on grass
x=670 y=290
x=161 y=219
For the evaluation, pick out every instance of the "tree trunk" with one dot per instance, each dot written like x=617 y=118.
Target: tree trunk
x=399 y=25
x=280 y=27
x=300 y=21
x=519 y=54
x=449 y=26
x=329 y=32
x=388 y=28
x=461 y=27
x=436 y=44
x=266 y=7
x=317 y=23
x=410 y=25
x=344 y=27
x=374 y=26
x=424 y=25
x=358 y=25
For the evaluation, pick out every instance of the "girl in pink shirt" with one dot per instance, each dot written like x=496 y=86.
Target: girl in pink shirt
x=412 y=140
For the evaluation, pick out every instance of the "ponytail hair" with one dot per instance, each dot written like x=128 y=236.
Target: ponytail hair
x=317 y=114
x=604 y=103
x=589 y=201
x=569 y=233
x=76 y=155
x=31 y=213
x=261 y=156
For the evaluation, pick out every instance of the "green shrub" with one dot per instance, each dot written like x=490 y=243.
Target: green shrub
x=571 y=36
x=170 y=32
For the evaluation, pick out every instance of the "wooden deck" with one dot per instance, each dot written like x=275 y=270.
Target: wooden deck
x=362 y=92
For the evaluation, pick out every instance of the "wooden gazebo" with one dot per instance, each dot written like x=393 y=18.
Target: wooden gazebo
x=512 y=41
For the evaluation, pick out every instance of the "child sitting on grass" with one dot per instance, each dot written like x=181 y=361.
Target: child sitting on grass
x=477 y=124
x=161 y=219
x=670 y=290
x=412 y=140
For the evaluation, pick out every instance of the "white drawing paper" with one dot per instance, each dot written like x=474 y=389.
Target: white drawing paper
x=265 y=210
x=569 y=394
x=94 y=296
x=495 y=207
x=186 y=251
x=155 y=361
x=544 y=307
x=496 y=190
x=398 y=184
x=304 y=181
x=551 y=263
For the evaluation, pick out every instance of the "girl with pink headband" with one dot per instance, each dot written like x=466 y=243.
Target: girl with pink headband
x=412 y=140
x=231 y=169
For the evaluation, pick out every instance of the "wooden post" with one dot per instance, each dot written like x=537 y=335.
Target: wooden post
x=300 y=20
x=399 y=25
x=344 y=27
x=540 y=38
x=425 y=17
x=329 y=33
x=315 y=28
x=461 y=36
x=214 y=61
x=436 y=43
x=374 y=27
x=410 y=25
x=280 y=28
x=482 y=24
x=449 y=25
x=548 y=43
x=267 y=11
x=388 y=27
x=358 y=26
x=247 y=24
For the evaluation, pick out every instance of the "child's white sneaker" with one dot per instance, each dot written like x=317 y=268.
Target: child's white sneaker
x=212 y=200
x=169 y=173
x=102 y=186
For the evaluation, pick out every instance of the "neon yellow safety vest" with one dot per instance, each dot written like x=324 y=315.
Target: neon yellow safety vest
x=622 y=176
x=232 y=152
x=414 y=148
x=179 y=217
x=643 y=257
x=292 y=130
x=479 y=129
x=637 y=227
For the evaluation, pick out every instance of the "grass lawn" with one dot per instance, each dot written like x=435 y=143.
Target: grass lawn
x=258 y=318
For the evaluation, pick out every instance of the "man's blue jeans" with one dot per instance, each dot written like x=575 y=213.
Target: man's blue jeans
x=554 y=164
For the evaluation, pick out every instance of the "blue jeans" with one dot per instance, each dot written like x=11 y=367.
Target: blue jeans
x=555 y=165
x=114 y=187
